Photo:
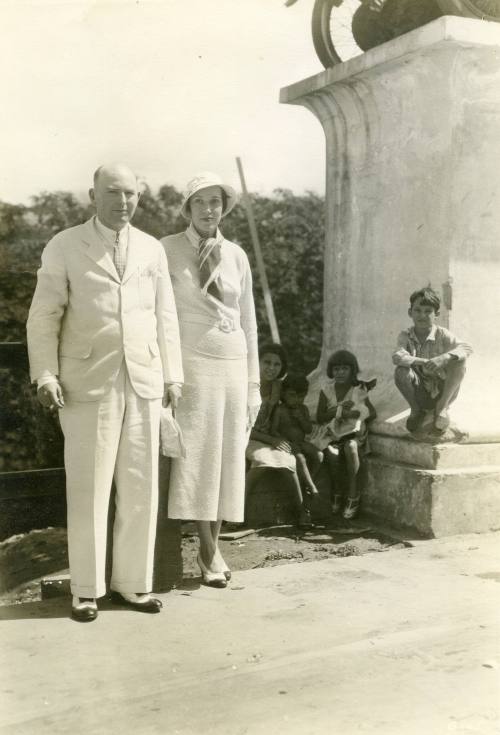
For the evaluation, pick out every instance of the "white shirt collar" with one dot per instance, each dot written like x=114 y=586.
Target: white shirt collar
x=431 y=337
x=109 y=235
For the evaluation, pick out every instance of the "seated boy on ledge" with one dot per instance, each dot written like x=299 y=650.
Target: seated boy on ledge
x=430 y=362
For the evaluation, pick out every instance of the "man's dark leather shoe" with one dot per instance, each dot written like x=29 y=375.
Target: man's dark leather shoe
x=84 y=610
x=151 y=605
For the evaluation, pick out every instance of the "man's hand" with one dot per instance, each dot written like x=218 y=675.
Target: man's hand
x=172 y=393
x=51 y=396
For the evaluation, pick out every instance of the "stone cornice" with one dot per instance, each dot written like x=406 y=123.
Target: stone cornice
x=465 y=31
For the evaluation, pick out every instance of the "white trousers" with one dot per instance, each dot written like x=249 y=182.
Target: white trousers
x=116 y=437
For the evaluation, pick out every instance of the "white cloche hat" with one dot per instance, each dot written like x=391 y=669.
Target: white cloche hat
x=202 y=181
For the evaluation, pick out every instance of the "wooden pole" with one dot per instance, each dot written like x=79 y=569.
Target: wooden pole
x=268 y=301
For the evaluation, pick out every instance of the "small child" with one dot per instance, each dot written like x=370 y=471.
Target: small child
x=343 y=413
x=430 y=363
x=291 y=420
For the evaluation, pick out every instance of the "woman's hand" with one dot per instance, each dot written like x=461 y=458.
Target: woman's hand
x=254 y=402
x=282 y=444
x=252 y=413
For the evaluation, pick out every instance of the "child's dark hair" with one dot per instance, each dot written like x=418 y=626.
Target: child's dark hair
x=428 y=297
x=275 y=349
x=343 y=357
x=296 y=382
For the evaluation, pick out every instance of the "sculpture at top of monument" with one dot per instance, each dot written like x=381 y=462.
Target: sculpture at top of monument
x=342 y=29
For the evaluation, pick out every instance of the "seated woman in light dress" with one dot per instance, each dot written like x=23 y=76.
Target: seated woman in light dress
x=265 y=451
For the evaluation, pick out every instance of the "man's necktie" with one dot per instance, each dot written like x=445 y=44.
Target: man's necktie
x=209 y=257
x=119 y=255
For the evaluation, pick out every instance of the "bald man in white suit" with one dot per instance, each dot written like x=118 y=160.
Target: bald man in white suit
x=103 y=342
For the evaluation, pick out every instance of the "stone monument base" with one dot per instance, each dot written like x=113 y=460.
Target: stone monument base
x=435 y=489
x=413 y=198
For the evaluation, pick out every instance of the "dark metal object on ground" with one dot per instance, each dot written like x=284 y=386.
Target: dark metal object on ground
x=57 y=585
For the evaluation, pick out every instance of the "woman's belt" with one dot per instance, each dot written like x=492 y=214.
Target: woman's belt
x=224 y=323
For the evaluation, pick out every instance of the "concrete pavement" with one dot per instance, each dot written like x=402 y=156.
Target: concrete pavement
x=402 y=642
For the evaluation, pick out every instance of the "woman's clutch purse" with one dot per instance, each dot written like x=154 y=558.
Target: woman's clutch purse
x=171 y=441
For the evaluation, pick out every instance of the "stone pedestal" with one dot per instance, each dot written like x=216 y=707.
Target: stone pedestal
x=433 y=489
x=413 y=198
x=271 y=502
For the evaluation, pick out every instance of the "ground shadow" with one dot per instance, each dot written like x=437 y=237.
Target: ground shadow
x=60 y=606
x=44 y=609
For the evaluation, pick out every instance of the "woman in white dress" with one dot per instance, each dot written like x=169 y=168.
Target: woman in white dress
x=212 y=285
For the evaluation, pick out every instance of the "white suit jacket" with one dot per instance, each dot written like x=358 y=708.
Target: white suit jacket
x=83 y=321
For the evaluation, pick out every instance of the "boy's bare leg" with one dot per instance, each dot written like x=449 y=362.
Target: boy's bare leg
x=404 y=379
x=405 y=382
x=300 y=502
x=297 y=490
x=306 y=484
x=455 y=372
x=304 y=474
x=314 y=458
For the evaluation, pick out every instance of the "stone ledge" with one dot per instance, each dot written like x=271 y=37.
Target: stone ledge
x=396 y=427
x=433 y=503
x=404 y=450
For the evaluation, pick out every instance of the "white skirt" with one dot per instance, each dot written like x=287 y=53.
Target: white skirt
x=209 y=484
x=263 y=456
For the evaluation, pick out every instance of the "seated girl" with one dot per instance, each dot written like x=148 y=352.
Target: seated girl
x=343 y=412
x=265 y=450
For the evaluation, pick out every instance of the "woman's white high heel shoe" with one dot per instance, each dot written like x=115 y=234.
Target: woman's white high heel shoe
x=211 y=579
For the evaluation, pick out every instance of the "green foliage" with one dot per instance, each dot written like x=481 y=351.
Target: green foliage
x=291 y=233
x=31 y=437
x=11 y=221
x=158 y=216
x=52 y=212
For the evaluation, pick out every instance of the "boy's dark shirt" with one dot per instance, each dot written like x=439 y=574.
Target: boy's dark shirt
x=290 y=427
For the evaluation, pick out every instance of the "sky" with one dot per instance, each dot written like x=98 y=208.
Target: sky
x=171 y=87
